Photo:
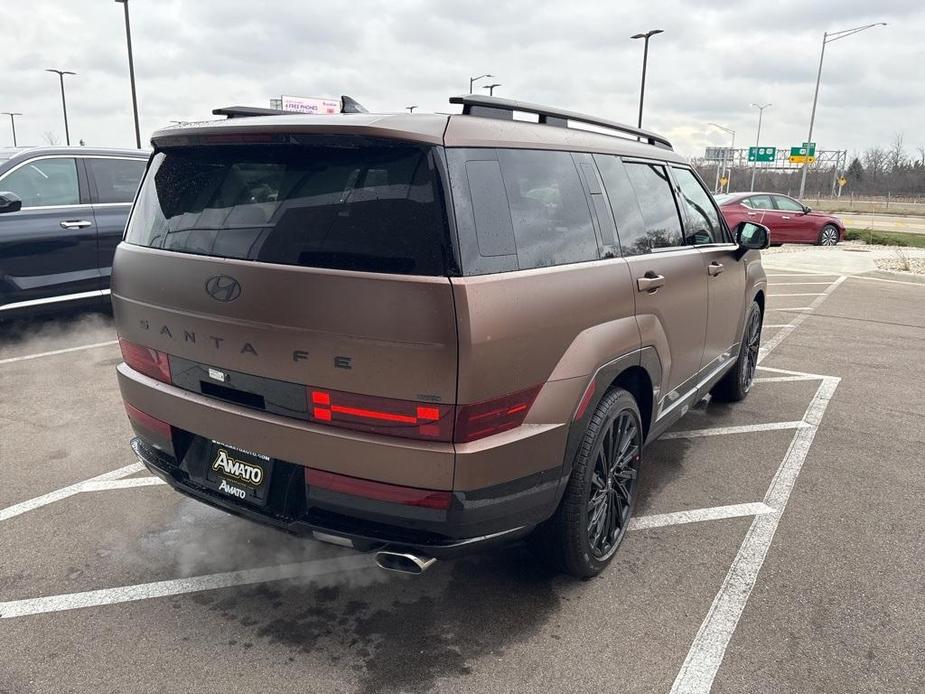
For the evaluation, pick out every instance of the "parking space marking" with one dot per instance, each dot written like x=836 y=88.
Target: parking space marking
x=64 y=492
x=698 y=515
x=724 y=431
x=782 y=379
x=796 y=273
x=105 y=485
x=179 y=586
x=782 y=334
x=39 y=355
x=794 y=284
x=709 y=646
x=881 y=279
x=775 y=325
x=792 y=308
x=791 y=294
x=788 y=372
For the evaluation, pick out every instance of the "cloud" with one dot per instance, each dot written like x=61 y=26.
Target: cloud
x=712 y=62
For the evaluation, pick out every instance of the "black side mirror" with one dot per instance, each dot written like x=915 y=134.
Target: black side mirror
x=752 y=237
x=807 y=209
x=10 y=202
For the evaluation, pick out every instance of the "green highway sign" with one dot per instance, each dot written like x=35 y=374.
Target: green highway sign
x=762 y=153
x=807 y=149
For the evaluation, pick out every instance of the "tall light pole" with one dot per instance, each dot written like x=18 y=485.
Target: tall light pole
x=827 y=38
x=473 y=80
x=761 y=108
x=645 y=59
x=12 y=123
x=410 y=108
x=61 y=74
x=732 y=132
x=131 y=72
x=491 y=88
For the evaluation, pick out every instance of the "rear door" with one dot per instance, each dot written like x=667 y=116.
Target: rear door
x=725 y=272
x=316 y=264
x=48 y=249
x=669 y=278
x=113 y=182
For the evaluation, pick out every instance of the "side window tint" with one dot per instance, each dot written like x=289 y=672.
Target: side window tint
x=787 y=205
x=631 y=227
x=703 y=225
x=549 y=210
x=659 y=211
x=117 y=179
x=44 y=182
x=493 y=229
x=760 y=202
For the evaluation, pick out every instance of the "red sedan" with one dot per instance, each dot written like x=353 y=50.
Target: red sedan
x=789 y=220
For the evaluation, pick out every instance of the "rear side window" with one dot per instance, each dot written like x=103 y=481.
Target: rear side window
x=116 y=179
x=703 y=225
x=658 y=207
x=631 y=227
x=361 y=206
x=759 y=202
x=44 y=182
x=549 y=210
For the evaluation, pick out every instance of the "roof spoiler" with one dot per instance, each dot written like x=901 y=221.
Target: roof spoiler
x=495 y=107
x=347 y=105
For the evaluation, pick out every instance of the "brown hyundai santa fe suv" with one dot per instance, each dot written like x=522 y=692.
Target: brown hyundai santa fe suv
x=420 y=335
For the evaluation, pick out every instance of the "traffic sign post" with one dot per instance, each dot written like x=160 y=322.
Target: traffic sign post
x=766 y=154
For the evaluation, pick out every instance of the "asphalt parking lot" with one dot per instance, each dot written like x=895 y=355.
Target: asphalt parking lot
x=778 y=544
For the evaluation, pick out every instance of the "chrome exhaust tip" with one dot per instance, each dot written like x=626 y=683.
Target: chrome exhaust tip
x=403 y=563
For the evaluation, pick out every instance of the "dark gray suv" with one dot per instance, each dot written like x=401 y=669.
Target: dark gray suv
x=62 y=214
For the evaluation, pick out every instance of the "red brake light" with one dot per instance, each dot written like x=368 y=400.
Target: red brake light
x=146 y=421
x=145 y=360
x=381 y=415
x=410 y=496
x=483 y=419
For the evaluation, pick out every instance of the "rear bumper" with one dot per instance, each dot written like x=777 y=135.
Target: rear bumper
x=499 y=487
x=305 y=513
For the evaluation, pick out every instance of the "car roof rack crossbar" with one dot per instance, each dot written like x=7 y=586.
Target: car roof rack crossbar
x=495 y=107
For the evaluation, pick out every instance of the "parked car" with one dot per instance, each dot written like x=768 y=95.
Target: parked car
x=62 y=214
x=789 y=220
x=420 y=334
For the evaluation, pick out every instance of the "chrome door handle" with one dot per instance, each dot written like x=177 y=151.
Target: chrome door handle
x=75 y=224
x=784 y=217
x=650 y=282
x=752 y=214
x=714 y=268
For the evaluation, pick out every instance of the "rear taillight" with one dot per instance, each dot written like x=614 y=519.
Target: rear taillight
x=494 y=416
x=381 y=415
x=146 y=421
x=145 y=360
x=409 y=496
x=418 y=420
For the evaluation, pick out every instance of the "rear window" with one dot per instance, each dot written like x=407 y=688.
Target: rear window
x=365 y=207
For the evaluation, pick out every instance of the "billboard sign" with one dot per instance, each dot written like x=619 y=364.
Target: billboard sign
x=718 y=153
x=305 y=104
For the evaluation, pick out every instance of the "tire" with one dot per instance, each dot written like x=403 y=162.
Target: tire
x=584 y=533
x=828 y=236
x=734 y=386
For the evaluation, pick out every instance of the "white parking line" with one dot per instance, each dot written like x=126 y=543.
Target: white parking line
x=794 y=284
x=64 y=492
x=723 y=431
x=782 y=379
x=790 y=294
x=792 y=308
x=105 y=485
x=775 y=325
x=782 y=334
x=803 y=274
x=803 y=374
x=39 y=355
x=709 y=646
x=698 y=515
x=178 y=586
x=881 y=279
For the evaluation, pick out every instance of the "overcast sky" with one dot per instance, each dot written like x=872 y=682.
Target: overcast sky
x=712 y=62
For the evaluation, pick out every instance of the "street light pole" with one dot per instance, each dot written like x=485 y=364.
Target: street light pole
x=716 y=186
x=61 y=74
x=131 y=72
x=761 y=108
x=826 y=38
x=12 y=116
x=473 y=80
x=491 y=88
x=645 y=59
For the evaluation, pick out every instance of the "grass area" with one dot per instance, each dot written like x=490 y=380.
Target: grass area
x=886 y=238
x=847 y=206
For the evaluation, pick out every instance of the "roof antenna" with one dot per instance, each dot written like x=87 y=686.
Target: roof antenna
x=351 y=105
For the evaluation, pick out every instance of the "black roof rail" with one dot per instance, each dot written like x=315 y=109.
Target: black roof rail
x=347 y=105
x=495 y=107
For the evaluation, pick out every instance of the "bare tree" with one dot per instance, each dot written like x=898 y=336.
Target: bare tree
x=896 y=156
x=921 y=150
x=50 y=138
x=874 y=159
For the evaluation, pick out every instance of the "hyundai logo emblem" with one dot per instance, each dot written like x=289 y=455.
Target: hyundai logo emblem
x=223 y=288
